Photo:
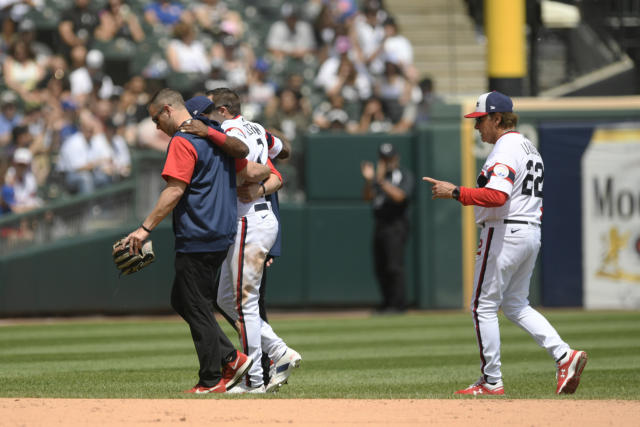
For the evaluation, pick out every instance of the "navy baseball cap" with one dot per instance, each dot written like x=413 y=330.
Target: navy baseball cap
x=492 y=102
x=197 y=105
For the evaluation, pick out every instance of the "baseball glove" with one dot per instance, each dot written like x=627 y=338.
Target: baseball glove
x=128 y=263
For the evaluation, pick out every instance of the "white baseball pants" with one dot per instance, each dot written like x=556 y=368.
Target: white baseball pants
x=504 y=264
x=239 y=288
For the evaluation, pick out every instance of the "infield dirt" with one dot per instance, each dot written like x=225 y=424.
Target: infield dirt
x=316 y=412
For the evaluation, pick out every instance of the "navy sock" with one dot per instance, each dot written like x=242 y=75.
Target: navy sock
x=561 y=357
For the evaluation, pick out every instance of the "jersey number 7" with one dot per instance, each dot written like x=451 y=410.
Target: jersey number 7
x=261 y=144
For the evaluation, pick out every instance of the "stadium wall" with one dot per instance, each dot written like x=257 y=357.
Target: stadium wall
x=327 y=258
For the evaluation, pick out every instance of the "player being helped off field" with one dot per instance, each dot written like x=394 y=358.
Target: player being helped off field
x=240 y=279
x=508 y=209
x=201 y=193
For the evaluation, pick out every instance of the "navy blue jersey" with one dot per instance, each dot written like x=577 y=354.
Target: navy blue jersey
x=276 y=249
x=204 y=220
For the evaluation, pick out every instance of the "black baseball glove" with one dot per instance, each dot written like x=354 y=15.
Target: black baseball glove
x=128 y=263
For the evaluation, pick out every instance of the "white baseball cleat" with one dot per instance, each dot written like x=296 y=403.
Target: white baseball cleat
x=243 y=388
x=281 y=370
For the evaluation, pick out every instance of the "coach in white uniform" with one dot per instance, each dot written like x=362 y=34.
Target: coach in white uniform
x=508 y=209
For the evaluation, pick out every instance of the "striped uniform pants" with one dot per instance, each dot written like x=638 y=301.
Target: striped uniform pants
x=239 y=289
x=504 y=263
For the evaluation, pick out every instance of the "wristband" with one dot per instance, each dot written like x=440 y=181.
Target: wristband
x=264 y=190
x=145 y=228
x=217 y=137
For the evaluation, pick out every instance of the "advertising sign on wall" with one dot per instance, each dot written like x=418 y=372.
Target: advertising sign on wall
x=611 y=218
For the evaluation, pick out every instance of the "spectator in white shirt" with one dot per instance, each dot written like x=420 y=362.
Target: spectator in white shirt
x=75 y=159
x=395 y=90
x=290 y=36
x=79 y=78
x=368 y=37
x=120 y=149
x=339 y=75
x=185 y=54
x=397 y=49
x=101 y=157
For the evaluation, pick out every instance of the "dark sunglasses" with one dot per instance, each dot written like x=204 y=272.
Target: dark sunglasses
x=479 y=119
x=156 y=116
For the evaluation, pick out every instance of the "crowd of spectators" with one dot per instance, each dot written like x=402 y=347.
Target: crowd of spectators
x=73 y=99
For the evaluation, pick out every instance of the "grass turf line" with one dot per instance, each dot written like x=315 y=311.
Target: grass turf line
x=419 y=355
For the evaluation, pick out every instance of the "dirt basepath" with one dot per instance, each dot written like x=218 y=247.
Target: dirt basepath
x=317 y=412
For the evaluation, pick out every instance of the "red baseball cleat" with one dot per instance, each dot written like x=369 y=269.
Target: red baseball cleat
x=200 y=389
x=569 y=370
x=233 y=371
x=483 y=388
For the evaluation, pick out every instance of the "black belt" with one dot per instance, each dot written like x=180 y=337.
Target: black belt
x=516 y=221
x=261 y=207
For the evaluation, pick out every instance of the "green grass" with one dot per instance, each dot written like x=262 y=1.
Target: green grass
x=415 y=356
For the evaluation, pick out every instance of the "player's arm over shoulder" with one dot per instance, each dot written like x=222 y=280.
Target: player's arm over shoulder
x=229 y=144
x=235 y=147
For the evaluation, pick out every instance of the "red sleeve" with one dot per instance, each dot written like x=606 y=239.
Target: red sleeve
x=273 y=169
x=181 y=160
x=241 y=164
x=485 y=197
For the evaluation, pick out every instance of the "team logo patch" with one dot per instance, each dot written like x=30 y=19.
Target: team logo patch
x=501 y=171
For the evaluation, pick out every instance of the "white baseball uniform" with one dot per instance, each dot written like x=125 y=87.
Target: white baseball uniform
x=509 y=245
x=239 y=286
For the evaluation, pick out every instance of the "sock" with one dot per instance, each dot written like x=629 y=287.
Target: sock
x=561 y=357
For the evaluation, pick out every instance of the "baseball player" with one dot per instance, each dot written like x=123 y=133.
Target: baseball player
x=275 y=374
x=241 y=275
x=508 y=209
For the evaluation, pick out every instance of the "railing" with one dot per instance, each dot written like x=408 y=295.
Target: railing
x=107 y=208
x=119 y=204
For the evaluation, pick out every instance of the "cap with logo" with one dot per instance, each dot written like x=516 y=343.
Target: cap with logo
x=492 y=102
x=386 y=150
x=197 y=105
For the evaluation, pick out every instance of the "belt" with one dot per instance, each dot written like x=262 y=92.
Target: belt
x=515 y=221
x=261 y=207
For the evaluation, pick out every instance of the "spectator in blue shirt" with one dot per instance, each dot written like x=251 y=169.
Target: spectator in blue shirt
x=163 y=12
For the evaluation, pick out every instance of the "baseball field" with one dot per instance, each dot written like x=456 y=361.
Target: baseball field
x=382 y=369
